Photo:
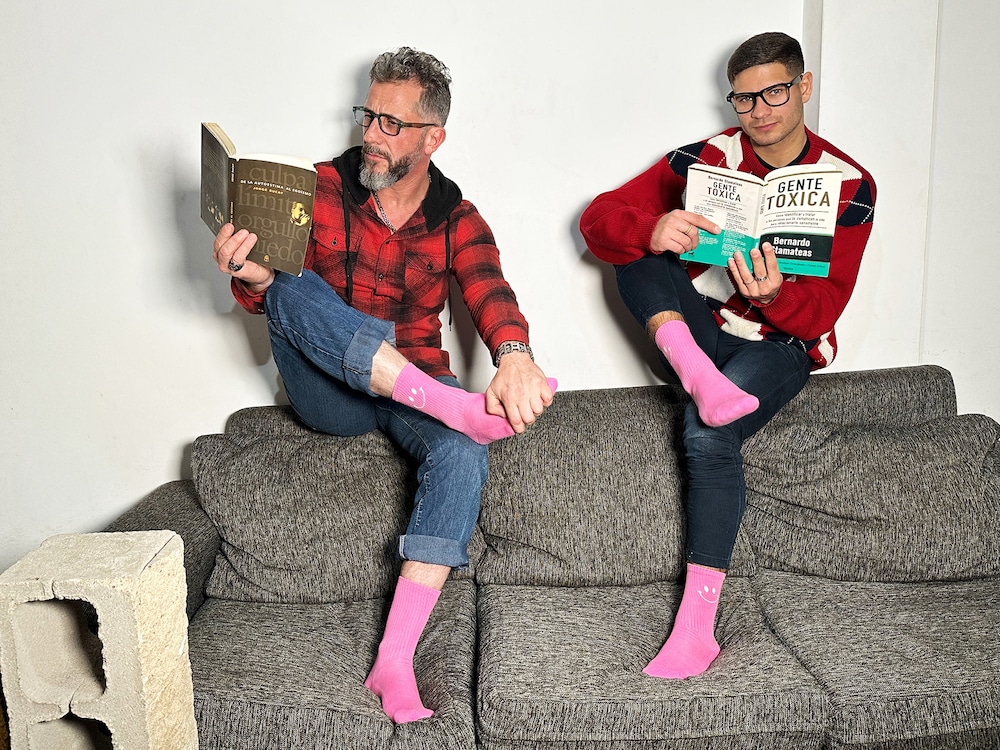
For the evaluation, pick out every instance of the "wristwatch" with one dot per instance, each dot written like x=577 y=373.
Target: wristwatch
x=511 y=346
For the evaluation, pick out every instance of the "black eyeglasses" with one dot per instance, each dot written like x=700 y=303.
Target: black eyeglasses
x=773 y=96
x=387 y=123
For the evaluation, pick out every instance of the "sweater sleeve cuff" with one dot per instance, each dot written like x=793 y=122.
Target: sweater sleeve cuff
x=642 y=232
x=777 y=307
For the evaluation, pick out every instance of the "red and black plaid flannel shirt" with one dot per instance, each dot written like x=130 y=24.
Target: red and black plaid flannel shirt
x=404 y=277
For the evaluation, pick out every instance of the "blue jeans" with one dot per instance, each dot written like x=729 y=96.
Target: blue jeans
x=770 y=370
x=324 y=349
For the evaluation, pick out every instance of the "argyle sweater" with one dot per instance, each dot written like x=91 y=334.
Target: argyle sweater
x=405 y=277
x=618 y=226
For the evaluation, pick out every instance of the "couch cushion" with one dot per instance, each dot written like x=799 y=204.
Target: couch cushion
x=562 y=668
x=283 y=677
x=906 y=665
x=591 y=494
x=303 y=516
x=876 y=502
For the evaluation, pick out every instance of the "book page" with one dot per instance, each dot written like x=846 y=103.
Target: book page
x=730 y=199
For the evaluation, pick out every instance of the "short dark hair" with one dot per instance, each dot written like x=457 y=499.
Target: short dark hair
x=434 y=78
x=766 y=48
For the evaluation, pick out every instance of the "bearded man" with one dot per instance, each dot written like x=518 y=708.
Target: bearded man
x=357 y=337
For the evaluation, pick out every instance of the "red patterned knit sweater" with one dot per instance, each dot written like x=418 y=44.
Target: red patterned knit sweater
x=618 y=226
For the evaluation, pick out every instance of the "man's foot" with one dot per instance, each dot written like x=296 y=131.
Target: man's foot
x=718 y=399
x=393 y=681
x=459 y=409
x=392 y=678
x=691 y=647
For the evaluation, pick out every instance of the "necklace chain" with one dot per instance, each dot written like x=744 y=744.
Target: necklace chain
x=381 y=210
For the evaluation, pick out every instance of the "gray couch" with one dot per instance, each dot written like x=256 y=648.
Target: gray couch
x=862 y=609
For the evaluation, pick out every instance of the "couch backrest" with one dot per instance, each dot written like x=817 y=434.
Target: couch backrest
x=591 y=495
x=865 y=475
x=872 y=476
x=895 y=396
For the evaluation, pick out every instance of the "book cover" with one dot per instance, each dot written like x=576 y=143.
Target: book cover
x=267 y=194
x=794 y=208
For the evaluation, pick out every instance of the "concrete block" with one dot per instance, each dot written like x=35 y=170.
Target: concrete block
x=93 y=644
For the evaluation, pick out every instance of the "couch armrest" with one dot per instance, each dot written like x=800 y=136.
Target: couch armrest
x=175 y=506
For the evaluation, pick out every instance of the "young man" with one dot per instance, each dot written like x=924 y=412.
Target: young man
x=742 y=340
x=357 y=338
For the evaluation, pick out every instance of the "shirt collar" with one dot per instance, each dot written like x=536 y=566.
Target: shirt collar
x=443 y=195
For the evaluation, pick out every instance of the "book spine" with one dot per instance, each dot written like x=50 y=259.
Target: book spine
x=232 y=189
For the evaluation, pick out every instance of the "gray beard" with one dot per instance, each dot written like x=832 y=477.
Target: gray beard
x=375 y=181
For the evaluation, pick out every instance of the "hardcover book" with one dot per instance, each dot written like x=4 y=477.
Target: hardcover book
x=267 y=194
x=794 y=208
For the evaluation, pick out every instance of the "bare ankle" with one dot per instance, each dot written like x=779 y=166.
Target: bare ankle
x=659 y=319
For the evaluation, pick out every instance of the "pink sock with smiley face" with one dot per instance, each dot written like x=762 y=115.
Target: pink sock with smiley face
x=718 y=399
x=691 y=646
x=457 y=408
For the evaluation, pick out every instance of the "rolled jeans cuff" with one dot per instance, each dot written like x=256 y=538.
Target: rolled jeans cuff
x=434 y=550
x=361 y=350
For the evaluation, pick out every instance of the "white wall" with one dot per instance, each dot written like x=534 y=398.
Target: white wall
x=120 y=342
x=961 y=306
x=870 y=96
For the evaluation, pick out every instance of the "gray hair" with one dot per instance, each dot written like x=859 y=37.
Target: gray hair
x=406 y=64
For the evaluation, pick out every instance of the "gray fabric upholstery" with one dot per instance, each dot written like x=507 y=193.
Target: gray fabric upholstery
x=175 y=506
x=265 y=421
x=896 y=396
x=290 y=676
x=591 y=495
x=906 y=665
x=914 y=503
x=564 y=665
x=303 y=516
x=862 y=610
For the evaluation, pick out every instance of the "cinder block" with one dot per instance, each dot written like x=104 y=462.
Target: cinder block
x=93 y=644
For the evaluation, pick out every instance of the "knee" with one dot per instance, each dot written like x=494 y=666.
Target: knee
x=289 y=294
x=274 y=300
x=637 y=271
x=702 y=442
x=464 y=456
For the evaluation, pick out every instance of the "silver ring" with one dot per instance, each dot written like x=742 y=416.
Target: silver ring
x=234 y=267
x=762 y=278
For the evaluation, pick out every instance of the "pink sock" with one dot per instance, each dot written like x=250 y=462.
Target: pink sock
x=691 y=646
x=392 y=678
x=457 y=408
x=719 y=401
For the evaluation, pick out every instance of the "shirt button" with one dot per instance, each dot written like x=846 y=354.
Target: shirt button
x=381 y=276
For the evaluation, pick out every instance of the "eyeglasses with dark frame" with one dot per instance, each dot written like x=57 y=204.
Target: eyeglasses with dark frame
x=387 y=123
x=773 y=96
